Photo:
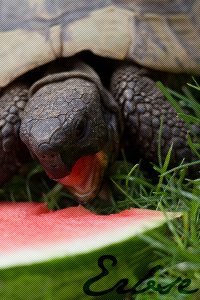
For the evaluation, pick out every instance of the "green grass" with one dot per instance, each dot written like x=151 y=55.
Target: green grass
x=128 y=187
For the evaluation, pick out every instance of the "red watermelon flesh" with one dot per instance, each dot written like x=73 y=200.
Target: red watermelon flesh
x=30 y=229
x=52 y=254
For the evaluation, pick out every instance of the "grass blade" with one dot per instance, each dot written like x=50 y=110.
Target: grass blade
x=166 y=163
x=126 y=194
x=159 y=142
x=181 y=167
x=192 y=145
x=129 y=174
x=189 y=118
x=195 y=105
x=176 y=106
x=194 y=86
x=169 y=97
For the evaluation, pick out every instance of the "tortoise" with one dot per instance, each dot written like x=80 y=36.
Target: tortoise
x=61 y=113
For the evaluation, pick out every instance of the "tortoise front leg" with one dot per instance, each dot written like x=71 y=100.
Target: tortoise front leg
x=13 y=151
x=143 y=105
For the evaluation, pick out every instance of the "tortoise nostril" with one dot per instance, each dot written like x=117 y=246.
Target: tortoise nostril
x=47 y=155
x=54 y=166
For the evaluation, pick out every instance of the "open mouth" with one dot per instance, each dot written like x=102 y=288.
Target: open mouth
x=85 y=179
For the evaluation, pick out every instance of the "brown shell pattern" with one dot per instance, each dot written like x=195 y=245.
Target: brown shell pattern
x=160 y=34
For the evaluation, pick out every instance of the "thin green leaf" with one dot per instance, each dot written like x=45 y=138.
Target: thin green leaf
x=125 y=161
x=173 y=229
x=193 y=86
x=192 y=145
x=156 y=168
x=186 y=194
x=134 y=179
x=159 y=142
x=181 y=167
x=178 y=95
x=196 y=82
x=175 y=104
x=37 y=169
x=189 y=118
x=28 y=191
x=129 y=174
x=166 y=163
x=34 y=171
x=168 y=96
x=182 y=177
x=126 y=194
x=195 y=181
x=195 y=105
x=52 y=196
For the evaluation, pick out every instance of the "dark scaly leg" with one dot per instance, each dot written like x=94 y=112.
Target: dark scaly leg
x=12 y=151
x=143 y=105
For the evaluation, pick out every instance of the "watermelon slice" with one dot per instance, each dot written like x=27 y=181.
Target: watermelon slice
x=52 y=254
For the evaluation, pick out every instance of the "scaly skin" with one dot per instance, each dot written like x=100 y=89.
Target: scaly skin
x=13 y=152
x=143 y=105
x=70 y=115
x=140 y=99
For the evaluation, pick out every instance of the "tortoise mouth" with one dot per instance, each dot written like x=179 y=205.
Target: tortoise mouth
x=86 y=177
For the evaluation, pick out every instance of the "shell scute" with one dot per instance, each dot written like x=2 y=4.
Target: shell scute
x=159 y=34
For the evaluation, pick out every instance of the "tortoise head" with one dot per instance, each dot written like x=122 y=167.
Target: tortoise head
x=70 y=125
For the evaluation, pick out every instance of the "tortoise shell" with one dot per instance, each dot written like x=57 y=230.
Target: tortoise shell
x=159 y=34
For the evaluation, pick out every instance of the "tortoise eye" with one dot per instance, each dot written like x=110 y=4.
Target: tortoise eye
x=80 y=129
